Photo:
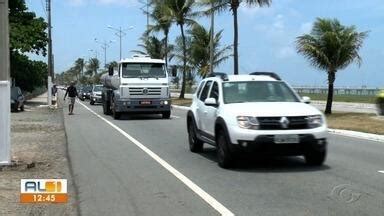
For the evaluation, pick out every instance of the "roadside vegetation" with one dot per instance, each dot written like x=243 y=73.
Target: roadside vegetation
x=27 y=35
x=330 y=46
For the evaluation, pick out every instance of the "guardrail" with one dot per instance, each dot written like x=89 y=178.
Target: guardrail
x=323 y=90
x=338 y=91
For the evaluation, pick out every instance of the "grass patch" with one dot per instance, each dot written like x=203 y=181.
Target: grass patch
x=369 y=123
x=342 y=98
x=181 y=102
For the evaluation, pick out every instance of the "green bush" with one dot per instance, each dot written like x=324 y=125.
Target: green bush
x=380 y=102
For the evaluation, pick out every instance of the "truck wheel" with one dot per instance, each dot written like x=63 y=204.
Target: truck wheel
x=116 y=115
x=224 y=158
x=92 y=102
x=315 y=158
x=106 y=108
x=166 y=115
x=195 y=145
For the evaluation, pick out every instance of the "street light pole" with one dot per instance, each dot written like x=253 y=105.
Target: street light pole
x=104 y=46
x=5 y=116
x=120 y=33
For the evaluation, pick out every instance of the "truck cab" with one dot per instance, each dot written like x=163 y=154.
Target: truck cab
x=138 y=85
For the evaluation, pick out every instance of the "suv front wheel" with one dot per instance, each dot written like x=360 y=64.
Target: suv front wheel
x=315 y=158
x=195 y=145
x=224 y=157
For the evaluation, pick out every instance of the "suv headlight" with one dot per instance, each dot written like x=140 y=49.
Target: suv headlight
x=248 y=122
x=315 y=121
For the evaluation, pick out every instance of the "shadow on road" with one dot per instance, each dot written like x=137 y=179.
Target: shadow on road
x=265 y=164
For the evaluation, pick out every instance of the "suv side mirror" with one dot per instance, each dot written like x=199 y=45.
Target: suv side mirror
x=306 y=100
x=110 y=70
x=211 y=102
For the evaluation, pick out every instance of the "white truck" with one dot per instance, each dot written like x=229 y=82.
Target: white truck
x=138 y=85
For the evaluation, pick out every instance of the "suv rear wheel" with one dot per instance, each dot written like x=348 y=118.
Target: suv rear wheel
x=195 y=145
x=224 y=157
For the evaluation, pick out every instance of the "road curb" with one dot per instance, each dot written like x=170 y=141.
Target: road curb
x=348 y=133
x=180 y=107
x=357 y=134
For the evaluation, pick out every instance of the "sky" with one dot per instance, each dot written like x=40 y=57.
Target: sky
x=266 y=35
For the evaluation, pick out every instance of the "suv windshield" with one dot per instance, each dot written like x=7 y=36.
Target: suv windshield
x=98 y=88
x=143 y=70
x=257 y=91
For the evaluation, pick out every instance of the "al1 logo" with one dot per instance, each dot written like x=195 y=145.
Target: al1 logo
x=43 y=191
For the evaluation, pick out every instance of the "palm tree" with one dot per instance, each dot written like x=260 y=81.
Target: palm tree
x=151 y=46
x=162 y=23
x=200 y=49
x=331 y=47
x=79 y=65
x=93 y=65
x=180 y=12
x=222 y=5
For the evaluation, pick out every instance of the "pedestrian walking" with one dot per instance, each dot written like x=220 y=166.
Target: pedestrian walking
x=72 y=94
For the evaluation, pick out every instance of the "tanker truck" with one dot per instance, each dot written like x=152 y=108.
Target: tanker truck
x=137 y=85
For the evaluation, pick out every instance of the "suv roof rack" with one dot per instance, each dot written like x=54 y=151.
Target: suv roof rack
x=271 y=74
x=220 y=75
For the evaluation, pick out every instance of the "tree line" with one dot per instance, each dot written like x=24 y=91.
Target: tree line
x=330 y=46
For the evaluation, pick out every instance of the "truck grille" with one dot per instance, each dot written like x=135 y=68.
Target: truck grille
x=140 y=91
x=273 y=123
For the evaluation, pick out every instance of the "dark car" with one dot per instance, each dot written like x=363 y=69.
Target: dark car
x=86 y=92
x=17 y=99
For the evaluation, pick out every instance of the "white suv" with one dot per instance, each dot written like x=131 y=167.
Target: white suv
x=256 y=113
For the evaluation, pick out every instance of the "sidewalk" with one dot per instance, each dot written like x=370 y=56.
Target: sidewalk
x=38 y=143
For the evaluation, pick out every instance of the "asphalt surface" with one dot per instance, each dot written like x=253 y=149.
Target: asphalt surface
x=116 y=177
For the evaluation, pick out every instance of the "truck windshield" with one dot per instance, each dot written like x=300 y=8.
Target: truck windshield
x=257 y=91
x=143 y=70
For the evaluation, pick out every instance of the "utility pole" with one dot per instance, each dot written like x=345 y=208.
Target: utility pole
x=211 y=44
x=5 y=87
x=120 y=33
x=104 y=46
x=50 y=57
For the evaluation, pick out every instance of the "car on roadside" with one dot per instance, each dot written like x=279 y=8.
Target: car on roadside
x=257 y=114
x=17 y=99
x=96 y=94
x=86 y=92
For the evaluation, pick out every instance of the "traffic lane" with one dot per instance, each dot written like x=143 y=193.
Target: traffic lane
x=262 y=187
x=114 y=177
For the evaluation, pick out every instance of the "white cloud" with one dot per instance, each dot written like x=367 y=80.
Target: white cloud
x=286 y=52
x=306 y=28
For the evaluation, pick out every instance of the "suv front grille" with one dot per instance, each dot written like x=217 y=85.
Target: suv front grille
x=273 y=123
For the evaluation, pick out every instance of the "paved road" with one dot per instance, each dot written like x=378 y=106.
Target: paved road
x=116 y=177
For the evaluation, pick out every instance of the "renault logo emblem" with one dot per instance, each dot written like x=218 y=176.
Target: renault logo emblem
x=145 y=91
x=284 y=122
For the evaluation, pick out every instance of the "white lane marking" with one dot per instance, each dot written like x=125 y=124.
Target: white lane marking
x=381 y=171
x=195 y=188
x=176 y=117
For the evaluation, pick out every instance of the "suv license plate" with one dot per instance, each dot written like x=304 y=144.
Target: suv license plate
x=145 y=102
x=286 y=138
